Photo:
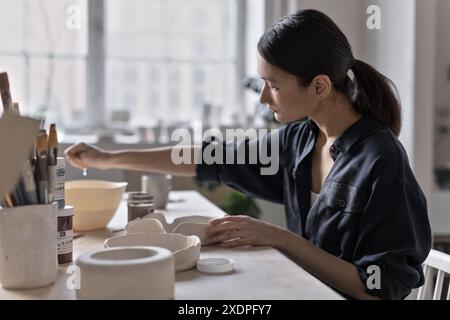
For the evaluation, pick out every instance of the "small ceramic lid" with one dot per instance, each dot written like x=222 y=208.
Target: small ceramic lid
x=215 y=265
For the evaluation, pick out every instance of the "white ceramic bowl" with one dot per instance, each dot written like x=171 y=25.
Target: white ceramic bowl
x=188 y=226
x=127 y=273
x=95 y=202
x=147 y=225
x=186 y=249
x=170 y=227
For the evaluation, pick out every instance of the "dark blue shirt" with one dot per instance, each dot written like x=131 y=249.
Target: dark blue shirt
x=370 y=211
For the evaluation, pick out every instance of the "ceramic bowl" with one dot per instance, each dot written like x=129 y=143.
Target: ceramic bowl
x=186 y=249
x=187 y=225
x=147 y=225
x=127 y=273
x=95 y=202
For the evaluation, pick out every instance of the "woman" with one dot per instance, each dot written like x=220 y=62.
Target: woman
x=356 y=215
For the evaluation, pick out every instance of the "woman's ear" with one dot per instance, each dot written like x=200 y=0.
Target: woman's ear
x=321 y=85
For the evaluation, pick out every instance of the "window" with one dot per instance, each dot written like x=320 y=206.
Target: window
x=163 y=59
x=45 y=60
x=181 y=54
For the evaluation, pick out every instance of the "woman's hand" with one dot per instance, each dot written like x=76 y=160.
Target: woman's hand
x=235 y=231
x=82 y=156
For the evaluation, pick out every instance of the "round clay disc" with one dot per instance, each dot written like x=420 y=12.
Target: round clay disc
x=215 y=265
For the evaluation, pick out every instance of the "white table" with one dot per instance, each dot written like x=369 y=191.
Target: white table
x=260 y=272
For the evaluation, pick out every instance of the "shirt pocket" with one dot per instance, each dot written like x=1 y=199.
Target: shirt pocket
x=343 y=197
x=338 y=218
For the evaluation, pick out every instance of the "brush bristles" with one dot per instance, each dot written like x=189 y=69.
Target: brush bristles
x=53 y=137
x=42 y=144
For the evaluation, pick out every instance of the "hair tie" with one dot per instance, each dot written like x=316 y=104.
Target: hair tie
x=352 y=77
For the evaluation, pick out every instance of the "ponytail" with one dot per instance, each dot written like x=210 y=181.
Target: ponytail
x=377 y=96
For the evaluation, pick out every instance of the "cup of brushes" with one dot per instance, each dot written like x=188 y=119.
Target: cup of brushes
x=29 y=213
x=28 y=224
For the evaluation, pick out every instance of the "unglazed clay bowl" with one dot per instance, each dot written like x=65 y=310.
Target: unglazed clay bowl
x=187 y=225
x=186 y=249
x=147 y=225
x=95 y=202
x=126 y=273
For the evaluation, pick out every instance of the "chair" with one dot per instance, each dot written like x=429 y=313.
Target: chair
x=436 y=261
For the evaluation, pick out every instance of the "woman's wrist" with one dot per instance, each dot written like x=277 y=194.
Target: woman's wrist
x=108 y=159
x=278 y=236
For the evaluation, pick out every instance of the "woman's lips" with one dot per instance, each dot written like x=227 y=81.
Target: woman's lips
x=273 y=110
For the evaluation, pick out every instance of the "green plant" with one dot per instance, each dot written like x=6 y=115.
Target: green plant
x=237 y=203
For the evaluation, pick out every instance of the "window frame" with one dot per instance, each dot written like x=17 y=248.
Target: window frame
x=96 y=115
x=96 y=64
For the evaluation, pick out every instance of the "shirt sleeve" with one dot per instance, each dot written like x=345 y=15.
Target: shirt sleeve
x=251 y=166
x=394 y=240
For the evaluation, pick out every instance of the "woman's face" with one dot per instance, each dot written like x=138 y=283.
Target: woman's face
x=283 y=93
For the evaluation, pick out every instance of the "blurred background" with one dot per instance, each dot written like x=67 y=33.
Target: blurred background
x=125 y=73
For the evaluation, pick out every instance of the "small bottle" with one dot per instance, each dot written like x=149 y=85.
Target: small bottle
x=59 y=195
x=65 y=235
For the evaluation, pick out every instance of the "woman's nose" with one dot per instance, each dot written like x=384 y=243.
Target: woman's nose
x=264 y=97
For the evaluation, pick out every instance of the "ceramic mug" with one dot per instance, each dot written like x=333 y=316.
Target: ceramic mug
x=158 y=185
x=28 y=250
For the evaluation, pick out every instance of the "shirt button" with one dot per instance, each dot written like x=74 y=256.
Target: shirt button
x=342 y=203
x=293 y=172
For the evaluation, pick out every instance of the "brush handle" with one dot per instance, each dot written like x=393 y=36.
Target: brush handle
x=51 y=183
x=43 y=192
x=43 y=179
x=30 y=191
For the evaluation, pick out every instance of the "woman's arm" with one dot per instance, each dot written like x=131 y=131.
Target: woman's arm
x=243 y=230
x=336 y=272
x=163 y=160
x=154 y=160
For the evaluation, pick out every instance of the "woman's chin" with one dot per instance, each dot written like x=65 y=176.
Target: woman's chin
x=279 y=117
x=283 y=119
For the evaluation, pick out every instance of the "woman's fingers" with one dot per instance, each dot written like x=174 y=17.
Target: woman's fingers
x=236 y=243
x=224 y=236
x=75 y=150
x=75 y=162
x=228 y=218
x=82 y=156
x=225 y=226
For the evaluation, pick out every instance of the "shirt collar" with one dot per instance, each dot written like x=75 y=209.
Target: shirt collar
x=356 y=132
x=351 y=135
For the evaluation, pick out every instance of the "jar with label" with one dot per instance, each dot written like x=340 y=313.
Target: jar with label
x=65 y=235
x=59 y=193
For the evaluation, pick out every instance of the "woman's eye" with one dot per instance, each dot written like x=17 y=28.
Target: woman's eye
x=274 y=89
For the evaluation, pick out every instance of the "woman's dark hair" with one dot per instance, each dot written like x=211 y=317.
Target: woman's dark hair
x=308 y=43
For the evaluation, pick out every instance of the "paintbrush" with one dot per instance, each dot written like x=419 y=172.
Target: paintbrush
x=52 y=156
x=42 y=164
x=5 y=91
x=36 y=156
x=52 y=144
x=40 y=133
